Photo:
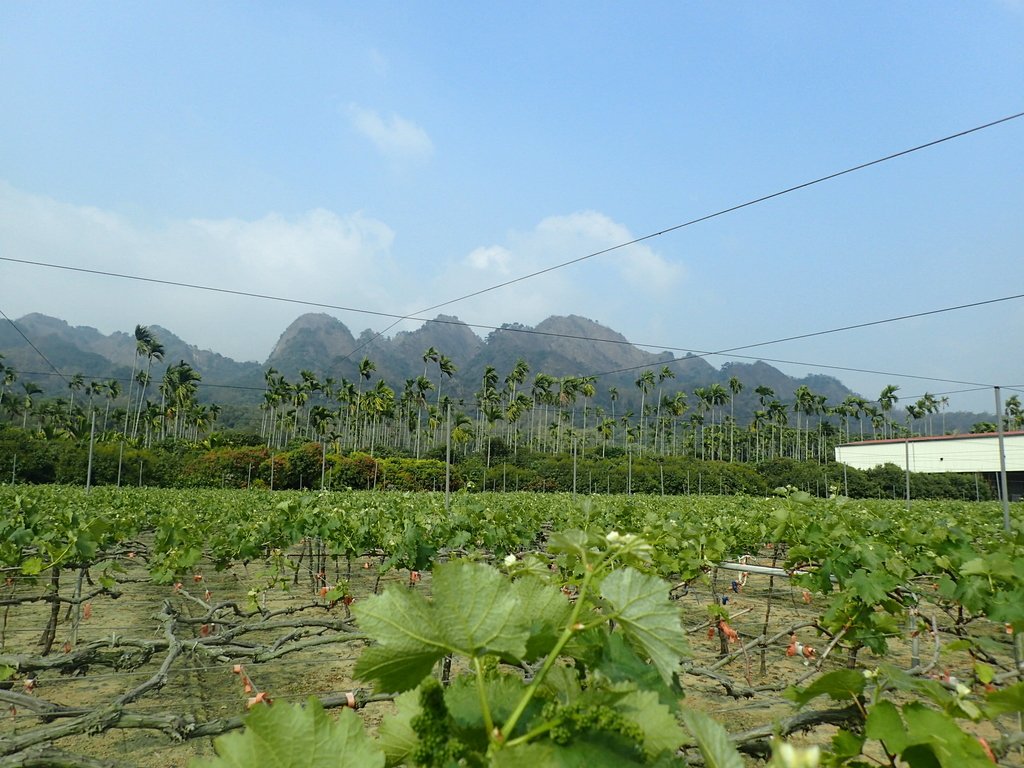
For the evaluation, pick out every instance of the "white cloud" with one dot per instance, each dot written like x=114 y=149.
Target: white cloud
x=304 y=246
x=317 y=256
x=588 y=232
x=631 y=281
x=588 y=224
x=645 y=270
x=491 y=258
x=638 y=264
x=393 y=136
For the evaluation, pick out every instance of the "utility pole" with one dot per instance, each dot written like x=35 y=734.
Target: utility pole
x=448 y=459
x=1003 y=490
x=906 y=450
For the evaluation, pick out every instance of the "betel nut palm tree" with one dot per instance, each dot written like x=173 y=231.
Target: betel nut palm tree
x=645 y=383
x=735 y=387
x=151 y=348
x=886 y=400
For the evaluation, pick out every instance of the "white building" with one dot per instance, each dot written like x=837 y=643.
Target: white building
x=948 y=453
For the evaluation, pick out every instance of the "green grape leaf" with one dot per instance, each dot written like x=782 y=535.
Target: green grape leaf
x=984 y=672
x=32 y=566
x=839 y=685
x=940 y=734
x=885 y=724
x=648 y=618
x=620 y=664
x=547 y=612
x=574 y=542
x=474 y=612
x=846 y=745
x=395 y=670
x=662 y=732
x=975 y=594
x=295 y=736
x=713 y=742
x=893 y=678
x=503 y=695
x=409 y=642
x=396 y=734
x=562 y=683
x=1007 y=606
x=976 y=567
x=1009 y=699
x=871 y=587
x=478 y=611
x=402 y=620
x=333 y=595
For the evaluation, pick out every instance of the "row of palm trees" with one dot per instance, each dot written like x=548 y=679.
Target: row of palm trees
x=178 y=414
x=357 y=414
x=558 y=414
x=546 y=413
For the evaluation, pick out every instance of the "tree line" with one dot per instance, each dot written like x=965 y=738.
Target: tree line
x=520 y=409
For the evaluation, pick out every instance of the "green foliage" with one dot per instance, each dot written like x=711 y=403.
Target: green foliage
x=357 y=471
x=437 y=744
x=649 y=621
x=571 y=654
x=404 y=474
x=839 y=685
x=472 y=614
x=27 y=459
x=237 y=459
x=479 y=614
x=232 y=467
x=296 y=736
x=35 y=536
x=911 y=717
x=923 y=736
x=712 y=740
x=301 y=468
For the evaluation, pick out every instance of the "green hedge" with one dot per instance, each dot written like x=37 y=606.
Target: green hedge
x=26 y=457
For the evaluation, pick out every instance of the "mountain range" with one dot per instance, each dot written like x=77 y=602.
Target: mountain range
x=316 y=342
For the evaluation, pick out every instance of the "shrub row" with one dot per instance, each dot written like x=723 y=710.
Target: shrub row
x=26 y=458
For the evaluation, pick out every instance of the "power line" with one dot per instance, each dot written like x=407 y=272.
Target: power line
x=974 y=384
x=727 y=352
x=948 y=392
x=691 y=353
x=546 y=270
x=755 y=201
x=197 y=287
x=731 y=209
x=876 y=322
x=29 y=342
x=691 y=222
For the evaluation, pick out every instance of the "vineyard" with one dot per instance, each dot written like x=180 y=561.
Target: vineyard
x=150 y=627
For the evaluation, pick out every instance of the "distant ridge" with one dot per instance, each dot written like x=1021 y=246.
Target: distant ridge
x=317 y=342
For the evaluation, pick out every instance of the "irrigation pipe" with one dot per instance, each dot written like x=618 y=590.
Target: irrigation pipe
x=765 y=570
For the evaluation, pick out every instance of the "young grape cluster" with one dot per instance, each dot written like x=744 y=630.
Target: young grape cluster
x=436 y=747
x=581 y=718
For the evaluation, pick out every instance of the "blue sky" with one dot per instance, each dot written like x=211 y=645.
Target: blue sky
x=390 y=157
